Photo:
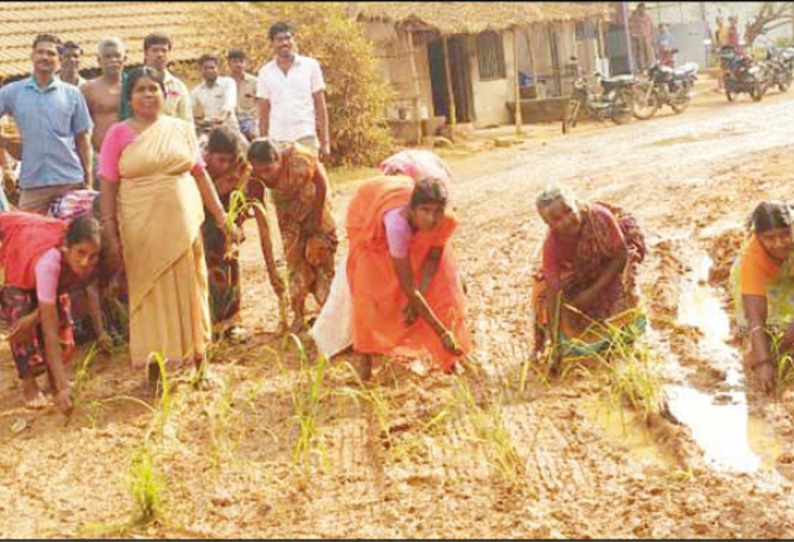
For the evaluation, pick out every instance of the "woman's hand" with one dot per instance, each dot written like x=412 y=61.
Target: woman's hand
x=105 y=343
x=63 y=401
x=115 y=253
x=451 y=343
x=278 y=285
x=22 y=330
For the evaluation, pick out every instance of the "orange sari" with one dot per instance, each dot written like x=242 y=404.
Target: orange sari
x=378 y=301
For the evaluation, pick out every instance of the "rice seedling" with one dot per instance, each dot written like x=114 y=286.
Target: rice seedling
x=164 y=401
x=490 y=431
x=145 y=485
x=82 y=374
x=308 y=395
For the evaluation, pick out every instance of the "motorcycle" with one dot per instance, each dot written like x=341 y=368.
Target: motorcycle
x=740 y=74
x=614 y=102
x=779 y=66
x=665 y=86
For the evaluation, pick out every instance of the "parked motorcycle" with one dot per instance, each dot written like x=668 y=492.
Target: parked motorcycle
x=614 y=102
x=665 y=86
x=740 y=74
x=779 y=67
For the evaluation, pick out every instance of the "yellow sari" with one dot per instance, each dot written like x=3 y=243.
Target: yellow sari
x=160 y=217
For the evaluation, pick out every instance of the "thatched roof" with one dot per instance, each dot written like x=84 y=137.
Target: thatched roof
x=86 y=23
x=475 y=17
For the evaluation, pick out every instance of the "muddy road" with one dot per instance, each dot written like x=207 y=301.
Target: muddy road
x=425 y=455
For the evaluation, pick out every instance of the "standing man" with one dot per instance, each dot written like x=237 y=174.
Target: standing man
x=291 y=94
x=216 y=96
x=156 y=52
x=641 y=32
x=103 y=94
x=54 y=124
x=247 y=109
x=70 y=56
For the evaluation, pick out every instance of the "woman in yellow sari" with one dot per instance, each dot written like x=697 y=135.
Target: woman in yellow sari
x=154 y=188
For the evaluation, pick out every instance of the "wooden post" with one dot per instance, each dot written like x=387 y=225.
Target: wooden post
x=450 y=93
x=516 y=85
x=531 y=52
x=417 y=93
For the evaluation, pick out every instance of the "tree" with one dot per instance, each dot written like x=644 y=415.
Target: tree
x=770 y=15
x=357 y=96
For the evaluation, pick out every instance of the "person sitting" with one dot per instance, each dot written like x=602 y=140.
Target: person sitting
x=762 y=285
x=41 y=258
x=229 y=171
x=588 y=276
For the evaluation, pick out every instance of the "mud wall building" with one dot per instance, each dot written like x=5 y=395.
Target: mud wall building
x=471 y=60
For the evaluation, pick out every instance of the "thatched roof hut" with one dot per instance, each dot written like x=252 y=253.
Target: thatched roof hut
x=474 y=17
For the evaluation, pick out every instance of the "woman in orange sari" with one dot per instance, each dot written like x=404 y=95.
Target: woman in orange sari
x=403 y=276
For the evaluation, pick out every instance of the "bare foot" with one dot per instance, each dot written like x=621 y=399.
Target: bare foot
x=31 y=394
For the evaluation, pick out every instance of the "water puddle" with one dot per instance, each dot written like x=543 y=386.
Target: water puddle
x=628 y=428
x=720 y=423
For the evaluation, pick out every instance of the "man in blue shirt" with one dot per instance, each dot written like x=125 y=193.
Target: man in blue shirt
x=54 y=124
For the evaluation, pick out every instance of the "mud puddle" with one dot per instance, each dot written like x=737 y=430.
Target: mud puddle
x=721 y=425
x=629 y=428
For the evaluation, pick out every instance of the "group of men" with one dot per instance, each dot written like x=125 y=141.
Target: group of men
x=63 y=119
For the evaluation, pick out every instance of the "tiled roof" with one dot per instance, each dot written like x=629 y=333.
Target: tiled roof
x=87 y=22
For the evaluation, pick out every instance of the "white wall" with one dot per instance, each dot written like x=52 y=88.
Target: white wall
x=491 y=97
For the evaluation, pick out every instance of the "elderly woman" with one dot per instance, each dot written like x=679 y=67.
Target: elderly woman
x=41 y=258
x=762 y=281
x=154 y=188
x=590 y=259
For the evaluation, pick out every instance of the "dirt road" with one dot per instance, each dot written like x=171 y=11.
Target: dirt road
x=424 y=455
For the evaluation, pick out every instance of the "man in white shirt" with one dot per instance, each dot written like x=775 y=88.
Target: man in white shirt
x=291 y=94
x=215 y=99
x=156 y=50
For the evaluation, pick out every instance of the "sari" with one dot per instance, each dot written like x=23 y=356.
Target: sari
x=571 y=269
x=24 y=238
x=225 y=290
x=160 y=216
x=309 y=253
x=379 y=325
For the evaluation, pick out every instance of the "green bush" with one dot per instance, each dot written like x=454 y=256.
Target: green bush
x=357 y=97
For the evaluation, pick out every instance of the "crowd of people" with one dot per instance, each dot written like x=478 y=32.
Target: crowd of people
x=131 y=197
x=128 y=222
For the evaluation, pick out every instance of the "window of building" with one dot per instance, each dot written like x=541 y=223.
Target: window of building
x=491 y=56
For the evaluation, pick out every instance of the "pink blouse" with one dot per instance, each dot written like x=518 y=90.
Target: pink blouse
x=116 y=140
x=48 y=272
x=398 y=232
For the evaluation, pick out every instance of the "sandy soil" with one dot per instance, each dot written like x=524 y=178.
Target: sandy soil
x=426 y=455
